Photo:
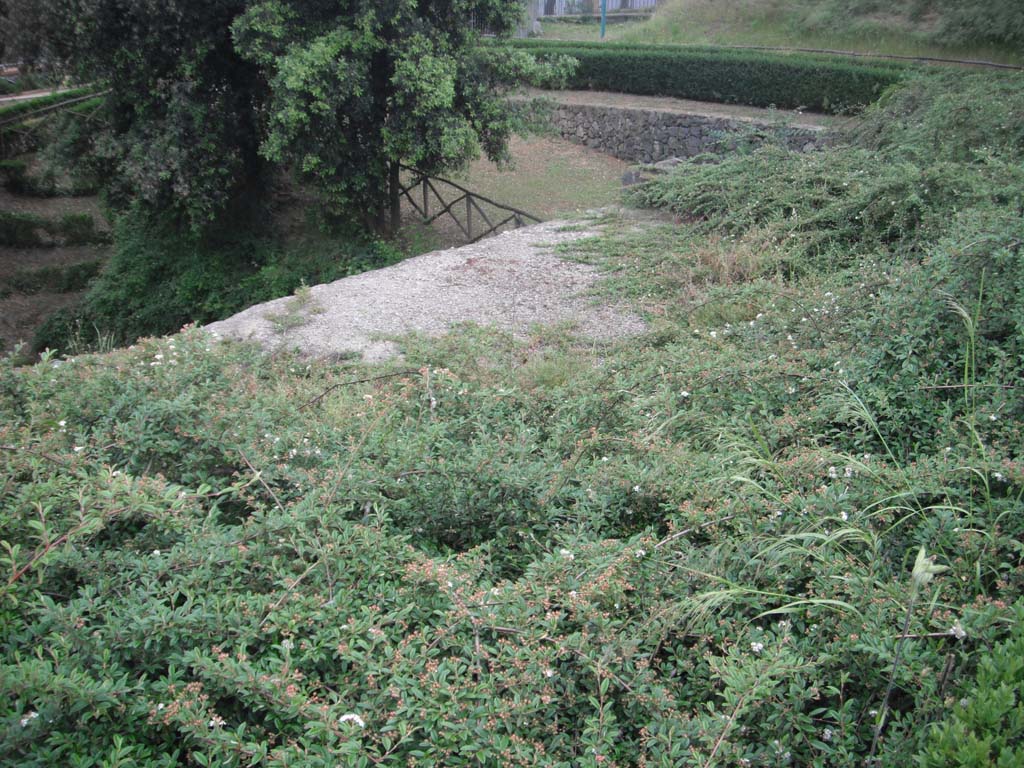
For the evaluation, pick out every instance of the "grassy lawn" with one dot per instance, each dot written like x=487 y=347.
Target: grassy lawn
x=550 y=178
x=802 y=24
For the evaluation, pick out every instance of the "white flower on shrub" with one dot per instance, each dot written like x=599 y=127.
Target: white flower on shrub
x=29 y=718
x=352 y=717
x=567 y=554
x=757 y=647
x=957 y=630
x=827 y=734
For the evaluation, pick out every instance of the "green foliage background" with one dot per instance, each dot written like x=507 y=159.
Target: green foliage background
x=760 y=79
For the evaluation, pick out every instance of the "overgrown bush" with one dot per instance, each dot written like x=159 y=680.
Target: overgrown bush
x=986 y=727
x=158 y=279
x=20 y=230
x=756 y=78
x=25 y=230
x=938 y=209
x=62 y=279
x=997 y=21
x=782 y=528
x=18 y=180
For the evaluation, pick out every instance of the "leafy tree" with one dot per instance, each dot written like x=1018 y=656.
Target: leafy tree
x=356 y=88
x=181 y=133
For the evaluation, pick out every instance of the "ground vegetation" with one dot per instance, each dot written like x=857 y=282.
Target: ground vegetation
x=782 y=528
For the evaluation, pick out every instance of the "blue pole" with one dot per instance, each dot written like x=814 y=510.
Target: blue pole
x=604 y=15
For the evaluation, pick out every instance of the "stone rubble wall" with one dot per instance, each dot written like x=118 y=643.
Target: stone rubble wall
x=648 y=136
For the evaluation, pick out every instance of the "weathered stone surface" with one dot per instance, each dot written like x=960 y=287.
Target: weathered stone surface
x=649 y=135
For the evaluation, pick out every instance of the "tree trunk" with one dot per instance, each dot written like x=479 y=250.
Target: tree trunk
x=394 y=198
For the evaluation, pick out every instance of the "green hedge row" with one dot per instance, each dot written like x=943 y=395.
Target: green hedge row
x=26 y=230
x=756 y=78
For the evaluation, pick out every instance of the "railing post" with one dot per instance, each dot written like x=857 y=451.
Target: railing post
x=426 y=200
x=469 y=216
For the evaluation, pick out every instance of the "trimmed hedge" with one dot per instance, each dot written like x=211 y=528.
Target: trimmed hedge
x=55 y=279
x=755 y=78
x=26 y=230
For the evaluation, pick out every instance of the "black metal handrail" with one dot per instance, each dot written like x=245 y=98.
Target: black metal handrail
x=472 y=200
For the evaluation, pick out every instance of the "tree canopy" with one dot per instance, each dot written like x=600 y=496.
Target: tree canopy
x=203 y=93
x=356 y=88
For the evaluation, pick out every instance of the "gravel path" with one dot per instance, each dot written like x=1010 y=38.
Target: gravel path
x=512 y=281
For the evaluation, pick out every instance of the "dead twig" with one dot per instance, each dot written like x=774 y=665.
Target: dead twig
x=340 y=384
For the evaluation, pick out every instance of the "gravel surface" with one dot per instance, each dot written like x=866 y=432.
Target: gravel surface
x=512 y=281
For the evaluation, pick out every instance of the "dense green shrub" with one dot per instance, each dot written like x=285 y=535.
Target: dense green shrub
x=228 y=555
x=968 y=21
x=986 y=728
x=158 y=279
x=20 y=230
x=28 y=230
x=955 y=116
x=744 y=77
x=835 y=204
x=935 y=207
x=74 y=277
x=702 y=547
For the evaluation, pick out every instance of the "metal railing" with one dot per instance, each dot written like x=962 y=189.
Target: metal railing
x=474 y=222
x=591 y=7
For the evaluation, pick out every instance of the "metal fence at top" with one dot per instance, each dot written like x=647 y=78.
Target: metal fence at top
x=590 y=7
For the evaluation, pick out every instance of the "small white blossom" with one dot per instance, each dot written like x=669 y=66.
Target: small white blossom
x=567 y=554
x=684 y=393
x=29 y=718
x=78 y=448
x=549 y=673
x=958 y=631
x=827 y=734
x=287 y=644
x=844 y=516
x=352 y=717
x=640 y=553
x=833 y=472
x=636 y=489
x=757 y=647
